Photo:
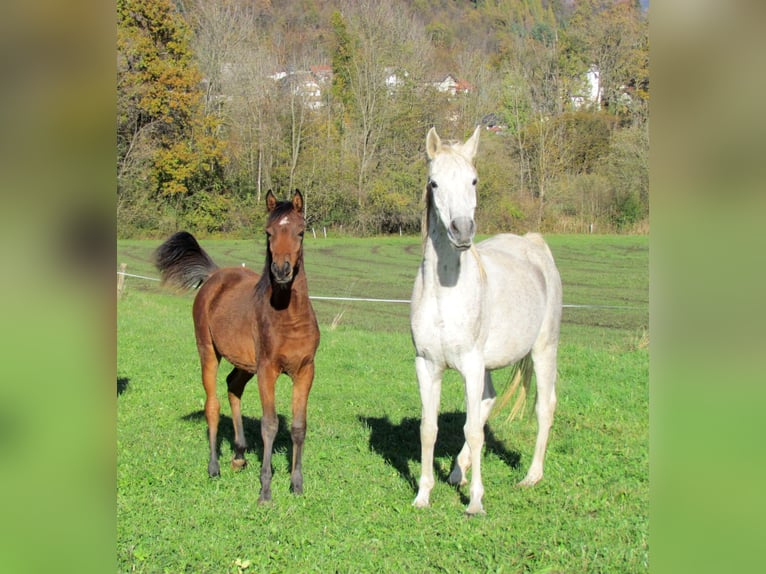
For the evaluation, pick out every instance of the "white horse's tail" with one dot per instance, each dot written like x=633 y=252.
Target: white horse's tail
x=521 y=378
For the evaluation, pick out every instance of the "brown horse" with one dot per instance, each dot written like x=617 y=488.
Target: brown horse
x=263 y=325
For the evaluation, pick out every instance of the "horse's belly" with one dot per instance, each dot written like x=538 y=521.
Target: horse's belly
x=234 y=339
x=511 y=334
x=241 y=354
x=501 y=351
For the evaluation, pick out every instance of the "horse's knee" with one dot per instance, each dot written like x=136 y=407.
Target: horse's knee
x=212 y=409
x=473 y=432
x=474 y=435
x=428 y=431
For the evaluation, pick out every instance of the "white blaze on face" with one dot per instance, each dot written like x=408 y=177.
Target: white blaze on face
x=284 y=221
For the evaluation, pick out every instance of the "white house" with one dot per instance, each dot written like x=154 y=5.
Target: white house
x=452 y=85
x=591 y=95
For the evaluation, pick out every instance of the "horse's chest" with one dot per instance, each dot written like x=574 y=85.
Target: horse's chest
x=289 y=344
x=445 y=326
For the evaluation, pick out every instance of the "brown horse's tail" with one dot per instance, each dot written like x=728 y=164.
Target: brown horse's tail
x=182 y=263
x=521 y=377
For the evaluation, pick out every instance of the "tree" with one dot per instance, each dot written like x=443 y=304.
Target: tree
x=342 y=61
x=611 y=36
x=626 y=168
x=517 y=112
x=167 y=146
x=374 y=41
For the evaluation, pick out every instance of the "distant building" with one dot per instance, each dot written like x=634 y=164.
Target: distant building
x=591 y=96
x=493 y=123
x=453 y=86
x=304 y=85
x=322 y=73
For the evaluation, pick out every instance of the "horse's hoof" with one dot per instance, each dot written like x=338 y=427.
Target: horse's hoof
x=238 y=463
x=475 y=510
x=213 y=470
x=456 y=477
x=528 y=481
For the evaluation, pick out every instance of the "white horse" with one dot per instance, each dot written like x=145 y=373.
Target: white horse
x=476 y=308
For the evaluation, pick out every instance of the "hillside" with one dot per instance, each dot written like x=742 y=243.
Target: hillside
x=220 y=100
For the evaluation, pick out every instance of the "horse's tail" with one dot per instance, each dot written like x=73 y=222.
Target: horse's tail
x=182 y=263
x=521 y=377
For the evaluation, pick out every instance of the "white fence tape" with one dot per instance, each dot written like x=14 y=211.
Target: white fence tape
x=407 y=301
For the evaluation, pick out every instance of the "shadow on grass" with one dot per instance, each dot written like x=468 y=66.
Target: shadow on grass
x=399 y=444
x=252 y=426
x=122 y=385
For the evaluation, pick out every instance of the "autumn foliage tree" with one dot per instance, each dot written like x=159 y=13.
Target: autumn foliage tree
x=168 y=149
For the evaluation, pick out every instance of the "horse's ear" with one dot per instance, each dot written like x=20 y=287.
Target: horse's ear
x=271 y=201
x=471 y=146
x=298 y=202
x=433 y=143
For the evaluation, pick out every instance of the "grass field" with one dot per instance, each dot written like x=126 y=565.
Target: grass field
x=589 y=514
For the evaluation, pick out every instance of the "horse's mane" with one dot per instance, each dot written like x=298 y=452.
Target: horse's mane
x=425 y=201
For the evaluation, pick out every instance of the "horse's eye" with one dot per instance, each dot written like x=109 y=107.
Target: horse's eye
x=301 y=233
x=432 y=183
x=474 y=181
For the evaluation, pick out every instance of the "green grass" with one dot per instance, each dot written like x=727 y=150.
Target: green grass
x=589 y=514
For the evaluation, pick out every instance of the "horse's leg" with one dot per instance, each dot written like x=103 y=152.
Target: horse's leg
x=267 y=378
x=302 y=382
x=473 y=373
x=463 y=460
x=545 y=372
x=430 y=383
x=209 y=360
x=236 y=382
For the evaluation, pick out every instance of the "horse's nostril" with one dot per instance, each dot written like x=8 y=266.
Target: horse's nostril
x=462 y=229
x=282 y=271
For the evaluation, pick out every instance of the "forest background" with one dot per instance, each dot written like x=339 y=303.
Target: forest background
x=220 y=100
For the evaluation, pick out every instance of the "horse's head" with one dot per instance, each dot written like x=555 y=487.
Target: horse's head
x=451 y=188
x=284 y=229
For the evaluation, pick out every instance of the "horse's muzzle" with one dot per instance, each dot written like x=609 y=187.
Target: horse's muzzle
x=282 y=273
x=461 y=231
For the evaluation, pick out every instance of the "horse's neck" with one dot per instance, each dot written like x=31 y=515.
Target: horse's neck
x=444 y=266
x=273 y=296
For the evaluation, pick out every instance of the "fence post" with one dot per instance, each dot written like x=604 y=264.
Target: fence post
x=121 y=279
